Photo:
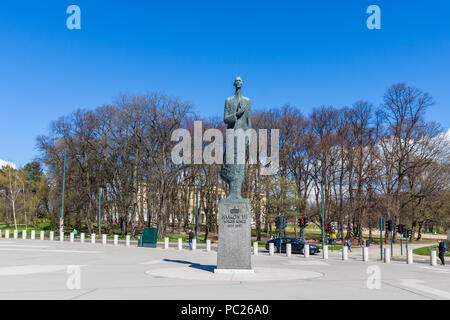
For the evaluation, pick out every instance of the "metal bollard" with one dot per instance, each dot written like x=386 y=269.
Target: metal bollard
x=116 y=239
x=288 y=250
x=325 y=252
x=365 y=254
x=166 y=243
x=104 y=239
x=271 y=249
x=409 y=256
x=194 y=244
x=24 y=234
x=344 y=253
x=72 y=237
x=127 y=241
x=433 y=259
x=42 y=235
x=255 y=248
x=82 y=237
x=387 y=255
x=33 y=235
x=208 y=245
x=52 y=235
x=93 y=238
x=7 y=234
x=180 y=244
x=306 y=251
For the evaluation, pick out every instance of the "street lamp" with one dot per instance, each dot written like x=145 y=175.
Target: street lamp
x=99 y=212
x=61 y=220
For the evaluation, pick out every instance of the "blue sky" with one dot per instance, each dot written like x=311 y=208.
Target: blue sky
x=306 y=53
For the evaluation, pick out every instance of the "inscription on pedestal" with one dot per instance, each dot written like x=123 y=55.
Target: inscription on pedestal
x=234 y=235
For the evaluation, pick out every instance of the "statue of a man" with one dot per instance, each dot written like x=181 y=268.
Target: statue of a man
x=237 y=115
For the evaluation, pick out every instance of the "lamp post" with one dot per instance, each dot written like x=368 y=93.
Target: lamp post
x=196 y=222
x=61 y=220
x=323 y=215
x=99 y=212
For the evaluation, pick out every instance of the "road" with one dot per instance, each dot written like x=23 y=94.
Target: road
x=33 y=269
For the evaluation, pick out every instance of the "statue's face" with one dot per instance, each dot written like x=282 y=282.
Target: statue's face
x=238 y=82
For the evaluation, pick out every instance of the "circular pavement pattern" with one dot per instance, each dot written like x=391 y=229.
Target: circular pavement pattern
x=261 y=274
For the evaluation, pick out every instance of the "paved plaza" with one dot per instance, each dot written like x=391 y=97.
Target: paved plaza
x=34 y=269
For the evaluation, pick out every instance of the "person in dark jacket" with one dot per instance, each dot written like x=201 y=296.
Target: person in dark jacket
x=191 y=237
x=442 y=248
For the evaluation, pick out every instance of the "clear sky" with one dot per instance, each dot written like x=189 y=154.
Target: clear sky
x=306 y=53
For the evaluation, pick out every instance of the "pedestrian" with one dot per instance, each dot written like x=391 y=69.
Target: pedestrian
x=442 y=248
x=191 y=237
x=349 y=245
x=75 y=232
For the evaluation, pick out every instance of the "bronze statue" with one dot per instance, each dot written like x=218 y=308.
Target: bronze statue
x=237 y=115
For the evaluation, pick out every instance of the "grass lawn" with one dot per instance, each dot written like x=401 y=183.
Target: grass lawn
x=425 y=251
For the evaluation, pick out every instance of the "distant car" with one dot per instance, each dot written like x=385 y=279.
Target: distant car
x=297 y=245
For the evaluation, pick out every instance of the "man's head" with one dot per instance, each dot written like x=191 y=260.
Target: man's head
x=238 y=82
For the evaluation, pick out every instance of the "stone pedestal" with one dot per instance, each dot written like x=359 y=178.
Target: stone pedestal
x=233 y=253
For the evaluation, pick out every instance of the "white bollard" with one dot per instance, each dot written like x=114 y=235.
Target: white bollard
x=365 y=254
x=0 y=233
x=33 y=235
x=387 y=255
x=180 y=244
x=306 y=251
x=166 y=243
x=127 y=241
x=16 y=234
x=72 y=237
x=7 y=234
x=52 y=235
x=409 y=256
x=116 y=239
x=104 y=239
x=433 y=259
x=325 y=252
x=288 y=250
x=208 y=245
x=61 y=237
x=255 y=248
x=42 y=235
x=24 y=234
x=271 y=249
x=82 y=237
x=93 y=238
x=194 y=244
x=344 y=253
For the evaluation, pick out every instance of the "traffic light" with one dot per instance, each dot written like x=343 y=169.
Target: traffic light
x=399 y=228
x=277 y=222
x=331 y=229
x=389 y=225
x=408 y=233
x=403 y=227
x=284 y=222
x=302 y=222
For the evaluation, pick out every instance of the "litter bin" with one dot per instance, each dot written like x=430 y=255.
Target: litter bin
x=149 y=238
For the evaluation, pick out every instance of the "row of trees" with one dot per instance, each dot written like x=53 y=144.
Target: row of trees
x=371 y=162
x=24 y=195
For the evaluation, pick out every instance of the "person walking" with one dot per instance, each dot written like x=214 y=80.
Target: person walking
x=442 y=248
x=349 y=245
x=191 y=237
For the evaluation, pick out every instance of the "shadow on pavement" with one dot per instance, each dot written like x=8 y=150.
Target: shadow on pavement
x=203 y=267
